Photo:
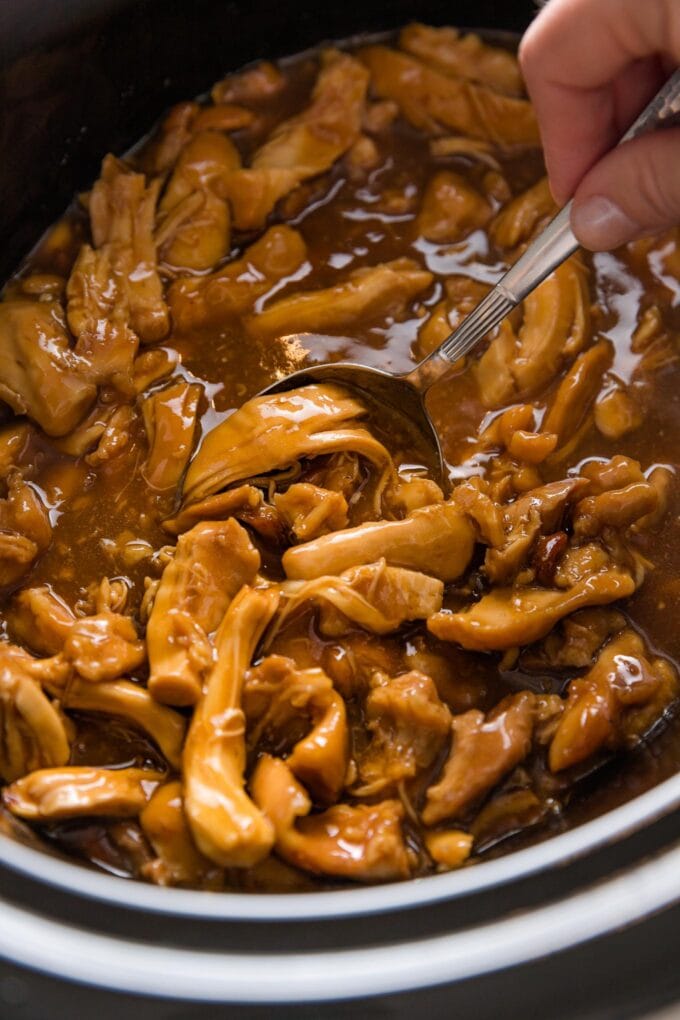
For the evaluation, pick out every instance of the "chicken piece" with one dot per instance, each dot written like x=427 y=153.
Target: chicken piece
x=129 y=701
x=617 y=473
x=256 y=83
x=245 y=502
x=39 y=375
x=193 y=222
x=362 y=157
x=408 y=494
x=614 y=704
x=106 y=423
x=211 y=564
x=537 y=512
x=521 y=218
x=279 y=698
x=473 y=150
x=103 y=647
x=515 y=430
x=363 y=843
x=170 y=422
x=33 y=734
x=577 y=391
x=54 y=793
x=311 y=511
x=226 y=825
x=616 y=508
x=379 y=117
x=15 y=447
x=449 y=849
x=205 y=163
x=451 y=208
x=617 y=412
x=369 y=294
x=201 y=301
x=472 y=498
x=25 y=529
x=122 y=217
x=40 y=619
x=437 y=540
x=170 y=137
x=178 y=861
x=556 y=326
x=510 y=617
x=304 y=146
x=663 y=479
x=463 y=56
x=223 y=117
x=374 y=596
x=98 y=315
x=462 y=295
x=434 y=102
x=273 y=431
x=575 y=641
x=483 y=750
x=408 y=725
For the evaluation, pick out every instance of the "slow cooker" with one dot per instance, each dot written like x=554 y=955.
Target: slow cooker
x=585 y=923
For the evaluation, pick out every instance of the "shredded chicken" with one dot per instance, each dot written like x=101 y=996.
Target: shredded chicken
x=614 y=704
x=483 y=750
x=311 y=511
x=98 y=316
x=122 y=214
x=520 y=218
x=55 y=793
x=304 y=146
x=451 y=208
x=276 y=696
x=25 y=529
x=463 y=56
x=33 y=733
x=129 y=701
x=198 y=301
x=274 y=431
x=556 y=326
x=375 y=596
x=408 y=724
x=371 y=293
x=177 y=860
x=365 y=843
x=433 y=101
x=39 y=375
x=170 y=422
x=508 y=617
x=211 y=563
x=436 y=540
x=226 y=825
x=194 y=221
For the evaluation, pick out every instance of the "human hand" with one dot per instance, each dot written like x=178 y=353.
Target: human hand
x=590 y=67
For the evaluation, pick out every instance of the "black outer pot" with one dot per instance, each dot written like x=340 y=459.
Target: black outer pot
x=584 y=924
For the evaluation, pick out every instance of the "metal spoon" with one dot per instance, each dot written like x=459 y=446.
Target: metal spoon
x=406 y=392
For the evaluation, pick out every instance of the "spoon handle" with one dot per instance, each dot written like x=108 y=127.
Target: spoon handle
x=547 y=251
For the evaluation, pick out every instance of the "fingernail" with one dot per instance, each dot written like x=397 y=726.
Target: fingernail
x=600 y=224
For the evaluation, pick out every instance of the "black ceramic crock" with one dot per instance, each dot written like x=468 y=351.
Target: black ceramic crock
x=584 y=924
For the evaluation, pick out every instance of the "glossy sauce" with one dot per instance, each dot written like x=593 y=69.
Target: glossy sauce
x=103 y=516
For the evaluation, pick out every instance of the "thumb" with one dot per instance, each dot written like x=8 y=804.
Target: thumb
x=632 y=191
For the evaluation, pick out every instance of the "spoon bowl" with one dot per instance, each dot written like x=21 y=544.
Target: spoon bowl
x=383 y=389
